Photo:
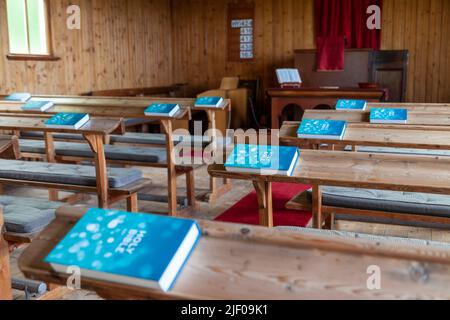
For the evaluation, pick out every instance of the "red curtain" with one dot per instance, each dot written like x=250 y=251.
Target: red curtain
x=346 y=20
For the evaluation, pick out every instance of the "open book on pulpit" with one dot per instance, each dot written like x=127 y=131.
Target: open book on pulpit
x=289 y=78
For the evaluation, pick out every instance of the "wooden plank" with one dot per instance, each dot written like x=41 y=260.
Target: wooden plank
x=230 y=262
x=415 y=118
x=36 y=123
x=360 y=134
x=428 y=174
x=129 y=102
x=413 y=106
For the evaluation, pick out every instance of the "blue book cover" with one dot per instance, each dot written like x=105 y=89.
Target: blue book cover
x=68 y=120
x=37 y=106
x=322 y=129
x=209 y=102
x=135 y=249
x=380 y=115
x=19 y=96
x=263 y=159
x=162 y=109
x=351 y=105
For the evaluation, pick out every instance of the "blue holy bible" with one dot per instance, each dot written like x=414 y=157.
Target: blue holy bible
x=395 y=116
x=68 y=120
x=134 y=249
x=19 y=96
x=351 y=105
x=263 y=159
x=209 y=102
x=322 y=129
x=162 y=109
x=41 y=106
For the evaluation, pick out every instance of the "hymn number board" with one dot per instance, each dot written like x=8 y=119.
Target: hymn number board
x=241 y=31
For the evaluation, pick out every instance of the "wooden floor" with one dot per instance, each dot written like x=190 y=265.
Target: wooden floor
x=206 y=211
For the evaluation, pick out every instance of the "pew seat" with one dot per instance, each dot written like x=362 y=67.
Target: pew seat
x=56 y=136
x=411 y=203
x=80 y=175
x=117 y=153
x=27 y=215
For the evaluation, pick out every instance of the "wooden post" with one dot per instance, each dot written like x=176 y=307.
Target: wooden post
x=190 y=186
x=214 y=190
x=166 y=125
x=264 y=194
x=5 y=275
x=96 y=143
x=317 y=207
x=51 y=158
x=132 y=203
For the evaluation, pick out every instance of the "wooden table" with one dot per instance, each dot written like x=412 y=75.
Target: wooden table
x=415 y=118
x=94 y=132
x=5 y=276
x=237 y=262
x=311 y=98
x=361 y=134
x=427 y=174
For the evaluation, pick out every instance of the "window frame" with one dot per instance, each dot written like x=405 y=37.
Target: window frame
x=30 y=56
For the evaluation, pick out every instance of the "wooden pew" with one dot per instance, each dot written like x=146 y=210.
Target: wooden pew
x=410 y=106
x=95 y=132
x=415 y=118
x=5 y=275
x=426 y=174
x=362 y=134
x=121 y=111
x=269 y=264
x=134 y=108
x=169 y=91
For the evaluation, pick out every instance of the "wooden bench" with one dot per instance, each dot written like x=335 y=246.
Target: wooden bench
x=169 y=91
x=425 y=174
x=439 y=107
x=303 y=265
x=139 y=104
x=415 y=118
x=133 y=108
x=419 y=141
x=360 y=134
x=95 y=132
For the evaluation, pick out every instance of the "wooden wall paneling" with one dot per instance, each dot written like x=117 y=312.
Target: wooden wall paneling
x=120 y=44
x=138 y=43
x=281 y=26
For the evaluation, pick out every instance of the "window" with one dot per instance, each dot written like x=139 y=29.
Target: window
x=28 y=28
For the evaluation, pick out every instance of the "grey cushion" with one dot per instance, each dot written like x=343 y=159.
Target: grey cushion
x=160 y=139
x=378 y=239
x=388 y=201
x=65 y=173
x=138 y=122
x=423 y=152
x=57 y=136
x=148 y=155
x=140 y=138
x=27 y=215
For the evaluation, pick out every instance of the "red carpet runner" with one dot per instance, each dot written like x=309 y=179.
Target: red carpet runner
x=246 y=210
